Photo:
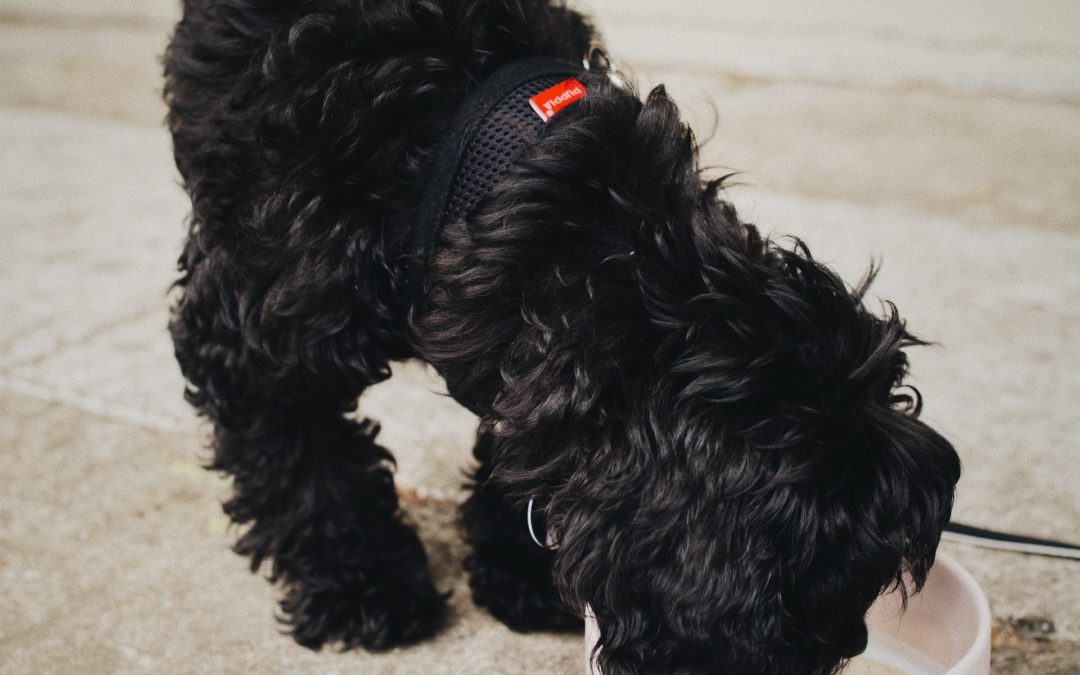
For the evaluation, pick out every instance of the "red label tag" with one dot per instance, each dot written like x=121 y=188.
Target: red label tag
x=550 y=101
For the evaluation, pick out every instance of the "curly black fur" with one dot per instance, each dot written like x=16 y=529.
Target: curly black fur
x=714 y=425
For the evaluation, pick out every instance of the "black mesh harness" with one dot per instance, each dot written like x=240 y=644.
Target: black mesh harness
x=491 y=128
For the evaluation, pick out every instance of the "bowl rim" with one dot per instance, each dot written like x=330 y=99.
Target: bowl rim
x=976 y=658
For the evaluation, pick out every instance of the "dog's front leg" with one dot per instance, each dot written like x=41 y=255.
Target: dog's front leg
x=509 y=574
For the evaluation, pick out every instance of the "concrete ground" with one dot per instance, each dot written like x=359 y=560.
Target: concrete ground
x=942 y=137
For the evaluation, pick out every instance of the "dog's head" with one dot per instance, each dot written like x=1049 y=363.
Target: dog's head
x=731 y=468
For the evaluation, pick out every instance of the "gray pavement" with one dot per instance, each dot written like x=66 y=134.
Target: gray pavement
x=945 y=140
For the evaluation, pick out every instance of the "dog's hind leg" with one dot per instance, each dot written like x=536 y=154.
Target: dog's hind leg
x=509 y=574
x=310 y=483
x=321 y=502
x=288 y=309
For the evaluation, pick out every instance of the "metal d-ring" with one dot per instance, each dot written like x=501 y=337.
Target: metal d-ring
x=532 y=532
x=597 y=52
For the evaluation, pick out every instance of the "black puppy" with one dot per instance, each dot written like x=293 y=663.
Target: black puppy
x=711 y=425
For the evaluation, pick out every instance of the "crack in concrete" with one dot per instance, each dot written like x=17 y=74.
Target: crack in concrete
x=909 y=85
x=64 y=342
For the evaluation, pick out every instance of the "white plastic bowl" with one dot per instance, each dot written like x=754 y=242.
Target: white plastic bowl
x=946 y=629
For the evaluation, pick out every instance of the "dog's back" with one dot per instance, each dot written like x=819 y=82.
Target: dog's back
x=303 y=130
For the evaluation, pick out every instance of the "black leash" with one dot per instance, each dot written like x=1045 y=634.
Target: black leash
x=1005 y=541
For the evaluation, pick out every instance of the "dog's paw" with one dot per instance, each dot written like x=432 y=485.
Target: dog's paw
x=377 y=614
x=520 y=593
